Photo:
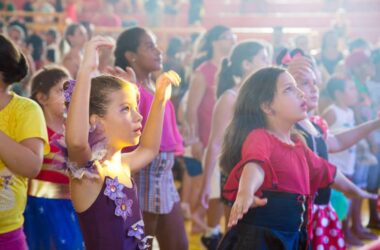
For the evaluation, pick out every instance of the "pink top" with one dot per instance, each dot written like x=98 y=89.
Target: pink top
x=208 y=70
x=171 y=140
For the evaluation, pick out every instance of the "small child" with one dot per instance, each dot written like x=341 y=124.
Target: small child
x=50 y=219
x=102 y=190
x=264 y=158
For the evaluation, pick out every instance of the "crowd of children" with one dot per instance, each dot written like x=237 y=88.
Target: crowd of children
x=289 y=151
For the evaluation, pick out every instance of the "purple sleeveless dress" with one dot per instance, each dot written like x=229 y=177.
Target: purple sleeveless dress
x=114 y=220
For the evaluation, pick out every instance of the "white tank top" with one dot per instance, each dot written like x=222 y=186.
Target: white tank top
x=345 y=160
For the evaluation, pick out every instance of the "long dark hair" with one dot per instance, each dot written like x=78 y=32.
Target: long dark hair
x=258 y=89
x=129 y=40
x=205 y=51
x=232 y=66
x=13 y=65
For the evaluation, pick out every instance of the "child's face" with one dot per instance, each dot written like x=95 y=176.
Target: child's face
x=289 y=103
x=55 y=102
x=259 y=61
x=79 y=38
x=350 y=94
x=122 y=122
x=307 y=82
x=225 y=42
x=148 y=55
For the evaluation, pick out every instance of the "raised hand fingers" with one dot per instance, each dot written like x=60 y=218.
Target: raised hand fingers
x=175 y=79
x=101 y=41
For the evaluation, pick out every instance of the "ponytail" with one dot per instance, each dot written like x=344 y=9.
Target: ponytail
x=225 y=78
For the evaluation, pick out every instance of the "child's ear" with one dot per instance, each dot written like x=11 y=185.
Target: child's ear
x=41 y=98
x=131 y=57
x=267 y=109
x=94 y=119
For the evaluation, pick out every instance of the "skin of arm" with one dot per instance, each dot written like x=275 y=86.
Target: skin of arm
x=197 y=90
x=76 y=126
x=251 y=179
x=341 y=183
x=24 y=158
x=151 y=138
x=341 y=141
x=222 y=115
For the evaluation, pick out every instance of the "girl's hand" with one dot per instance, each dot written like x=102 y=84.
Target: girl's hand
x=241 y=205
x=164 y=85
x=128 y=74
x=362 y=194
x=91 y=57
x=205 y=196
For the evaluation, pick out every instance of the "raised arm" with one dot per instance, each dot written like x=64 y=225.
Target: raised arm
x=151 y=138
x=251 y=179
x=77 y=126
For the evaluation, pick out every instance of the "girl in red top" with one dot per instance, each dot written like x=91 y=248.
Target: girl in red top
x=50 y=219
x=263 y=158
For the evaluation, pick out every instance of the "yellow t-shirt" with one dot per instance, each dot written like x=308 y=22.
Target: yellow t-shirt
x=21 y=119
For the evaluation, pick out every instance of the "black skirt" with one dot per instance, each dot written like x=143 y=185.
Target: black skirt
x=281 y=224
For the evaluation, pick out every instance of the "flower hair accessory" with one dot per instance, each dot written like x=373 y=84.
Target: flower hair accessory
x=68 y=89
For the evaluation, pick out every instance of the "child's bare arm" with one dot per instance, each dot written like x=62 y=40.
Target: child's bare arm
x=251 y=179
x=349 y=189
x=151 y=137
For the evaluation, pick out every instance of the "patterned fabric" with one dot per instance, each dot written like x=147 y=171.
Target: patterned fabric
x=52 y=224
x=114 y=220
x=157 y=192
x=327 y=229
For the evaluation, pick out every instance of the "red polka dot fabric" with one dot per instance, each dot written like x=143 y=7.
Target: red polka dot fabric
x=327 y=231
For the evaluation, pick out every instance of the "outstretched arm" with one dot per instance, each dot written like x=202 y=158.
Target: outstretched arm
x=251 y=179
x=341 y=141
x=349 y=189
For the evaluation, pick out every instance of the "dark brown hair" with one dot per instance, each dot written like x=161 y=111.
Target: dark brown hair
x=129 y=40
x=260 y=88
x=13 y=65
x=46 y=78
x=232 y=66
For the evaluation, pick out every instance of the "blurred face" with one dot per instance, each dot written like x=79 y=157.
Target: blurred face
x=307 y=83
x=16 y=36
x=259 y=61
x=122 y=123
x=225 y=42
x=148 y=56
x=350 y=94
x=288 y=103
x=55 y=102
x=79 y=38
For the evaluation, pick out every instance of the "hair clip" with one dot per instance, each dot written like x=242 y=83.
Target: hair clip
x=68 y=90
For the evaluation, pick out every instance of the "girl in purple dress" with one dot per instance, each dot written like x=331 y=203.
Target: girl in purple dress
x=102 y=190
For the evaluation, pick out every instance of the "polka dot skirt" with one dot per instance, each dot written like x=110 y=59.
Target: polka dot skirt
x=327 y=231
